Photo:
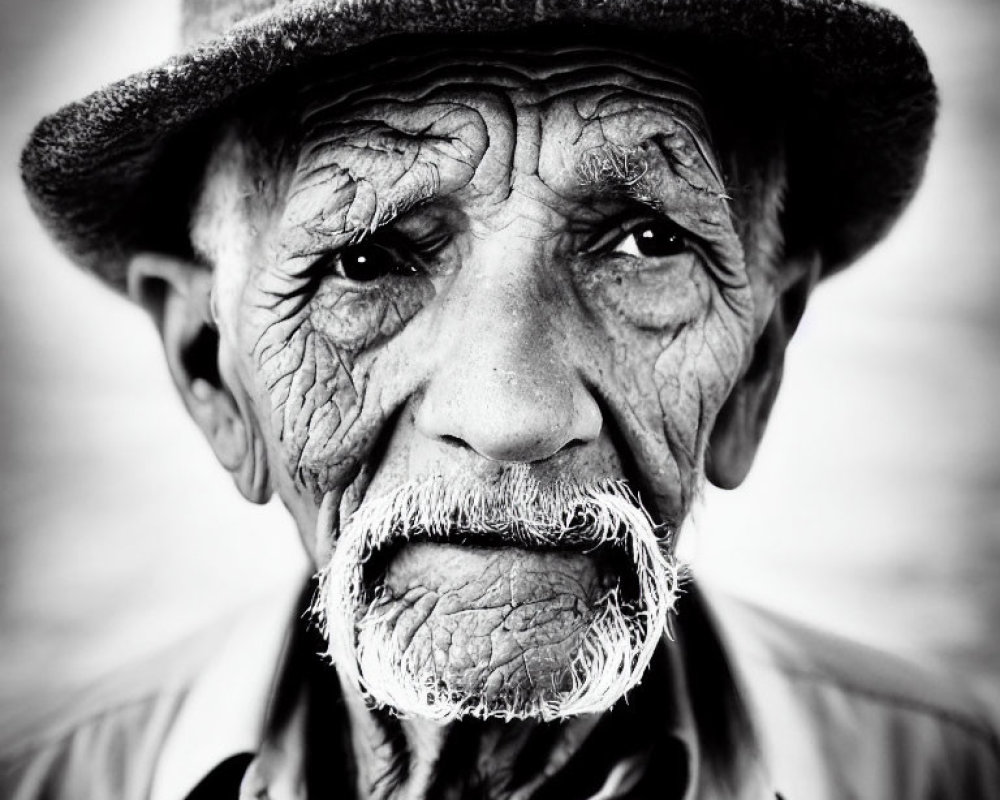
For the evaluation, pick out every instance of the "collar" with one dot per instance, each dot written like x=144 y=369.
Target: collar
x=225 y=710
x=249 y=700
x=727 y=757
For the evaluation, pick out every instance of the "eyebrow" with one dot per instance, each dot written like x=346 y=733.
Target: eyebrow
x=389 y=205
x=612 y=169
x=621 y=171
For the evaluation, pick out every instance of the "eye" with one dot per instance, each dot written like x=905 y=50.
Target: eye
x=369 y=261
x=653 y=239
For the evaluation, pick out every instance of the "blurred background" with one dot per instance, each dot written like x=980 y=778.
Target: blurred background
x=873 y=510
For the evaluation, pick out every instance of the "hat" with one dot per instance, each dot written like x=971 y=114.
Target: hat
x=113 y=173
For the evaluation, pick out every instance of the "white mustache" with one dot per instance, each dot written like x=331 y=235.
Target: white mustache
x=515 y=508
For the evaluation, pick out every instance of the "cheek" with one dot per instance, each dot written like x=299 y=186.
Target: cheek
x=680 y=344
x=314 y=374
x=694 y=374
x=311 y=397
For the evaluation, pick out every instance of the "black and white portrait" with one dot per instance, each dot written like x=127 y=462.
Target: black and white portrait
x=500 y=400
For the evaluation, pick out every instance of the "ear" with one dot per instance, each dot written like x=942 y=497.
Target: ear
x=178 y=295
x=741 y=422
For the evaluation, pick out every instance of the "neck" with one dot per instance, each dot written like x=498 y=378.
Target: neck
x=406 y=759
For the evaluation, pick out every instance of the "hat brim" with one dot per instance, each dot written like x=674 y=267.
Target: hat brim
x=861 y=106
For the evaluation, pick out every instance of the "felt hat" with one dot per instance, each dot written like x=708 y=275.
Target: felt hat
x=114 y=173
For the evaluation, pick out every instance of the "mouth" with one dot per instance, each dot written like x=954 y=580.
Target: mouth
x=608 y=560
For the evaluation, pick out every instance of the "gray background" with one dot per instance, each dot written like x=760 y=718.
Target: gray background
x=874 y=508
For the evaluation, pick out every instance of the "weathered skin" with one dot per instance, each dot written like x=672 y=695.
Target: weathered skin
x=453 y=621
x=526 y=319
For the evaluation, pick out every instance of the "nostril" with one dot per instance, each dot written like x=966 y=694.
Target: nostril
x=455 y=441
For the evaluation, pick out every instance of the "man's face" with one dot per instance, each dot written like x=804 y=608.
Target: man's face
x=484 y=298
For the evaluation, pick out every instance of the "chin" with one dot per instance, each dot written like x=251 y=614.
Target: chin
x=446 y=600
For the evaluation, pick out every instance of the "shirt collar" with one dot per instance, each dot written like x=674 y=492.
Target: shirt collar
x=233 y=706
x=225 y=710
x=727 y=757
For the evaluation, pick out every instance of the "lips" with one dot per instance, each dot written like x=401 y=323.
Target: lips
x=421 y=557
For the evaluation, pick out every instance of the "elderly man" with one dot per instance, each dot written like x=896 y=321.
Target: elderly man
x=482 y=291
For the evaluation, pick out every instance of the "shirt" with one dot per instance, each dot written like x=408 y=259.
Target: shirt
x=753 y=706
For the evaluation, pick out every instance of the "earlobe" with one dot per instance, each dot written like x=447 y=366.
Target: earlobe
x=178 y=295
x=740 y=425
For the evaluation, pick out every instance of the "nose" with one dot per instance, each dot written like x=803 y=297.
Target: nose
x=505 y=385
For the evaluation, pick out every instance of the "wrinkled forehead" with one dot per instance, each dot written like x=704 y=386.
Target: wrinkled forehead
x=572 y=121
